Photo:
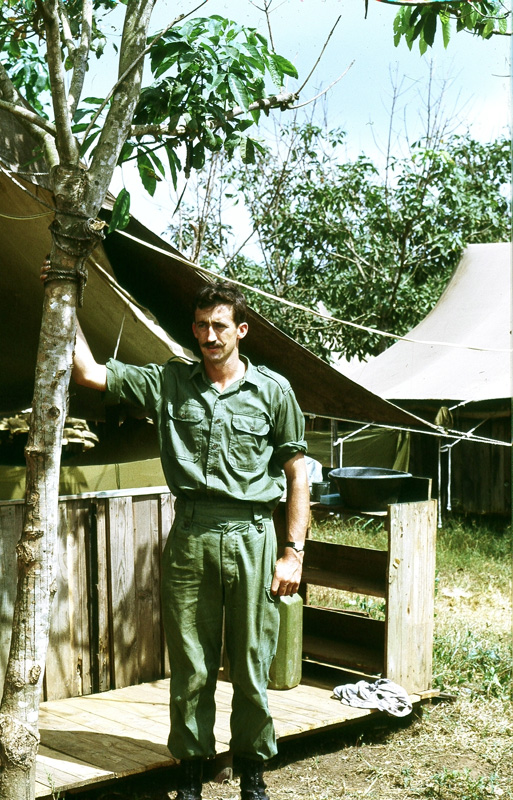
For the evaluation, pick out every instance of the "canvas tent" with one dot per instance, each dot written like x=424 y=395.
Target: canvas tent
x=133 y=271
x=459 y=357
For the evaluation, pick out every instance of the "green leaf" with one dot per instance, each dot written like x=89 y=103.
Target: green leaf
x=174 y=163
x=429 y=29
x=275 y=73
x=238 y=90
x=198 y=156
x=126 y=152
x=284 y=66
x=89 y=141
x=446 y=28
x=156 y=162
x=147 y=173
x=120 y=212
x=247 y=150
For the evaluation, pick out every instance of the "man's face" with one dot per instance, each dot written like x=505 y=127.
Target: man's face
x=217 y=334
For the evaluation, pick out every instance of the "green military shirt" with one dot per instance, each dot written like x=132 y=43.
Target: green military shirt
x=216 y=445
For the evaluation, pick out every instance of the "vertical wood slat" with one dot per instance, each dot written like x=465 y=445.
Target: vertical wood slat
x=11 y=524
x=147 y=555
x=124 y=667
x=79 y=586
x=103 y=644
x=411 y=594
x=61 y=662
x=166 y=517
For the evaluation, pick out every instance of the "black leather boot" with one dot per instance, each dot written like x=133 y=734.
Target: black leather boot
x=190 y=779
x=252 y=786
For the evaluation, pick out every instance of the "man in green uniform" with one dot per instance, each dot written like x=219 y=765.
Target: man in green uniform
x=231 y=438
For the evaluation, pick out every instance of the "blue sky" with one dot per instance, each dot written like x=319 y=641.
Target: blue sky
x=476 y=74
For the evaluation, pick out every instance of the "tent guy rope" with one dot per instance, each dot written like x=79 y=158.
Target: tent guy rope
x=327 y=317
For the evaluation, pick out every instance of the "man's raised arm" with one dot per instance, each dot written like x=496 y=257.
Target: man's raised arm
x=86 y=371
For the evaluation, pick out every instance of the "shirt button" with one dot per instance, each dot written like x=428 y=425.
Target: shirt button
x=218 y=421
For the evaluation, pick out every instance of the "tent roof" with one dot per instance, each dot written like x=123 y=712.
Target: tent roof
x=127 y=276
x=473 y=313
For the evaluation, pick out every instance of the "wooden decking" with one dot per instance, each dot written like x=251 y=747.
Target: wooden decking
x=98 y=738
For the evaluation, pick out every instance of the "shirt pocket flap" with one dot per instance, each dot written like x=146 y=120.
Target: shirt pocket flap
x=187 y=412
x=243 y=423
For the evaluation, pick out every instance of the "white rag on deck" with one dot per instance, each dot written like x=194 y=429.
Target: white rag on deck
x=382 y=694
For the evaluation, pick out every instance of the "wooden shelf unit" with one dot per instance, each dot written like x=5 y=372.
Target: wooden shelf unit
x=400 y=646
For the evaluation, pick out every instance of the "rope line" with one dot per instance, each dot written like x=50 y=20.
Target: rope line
x=261 y=292
x=299 y=307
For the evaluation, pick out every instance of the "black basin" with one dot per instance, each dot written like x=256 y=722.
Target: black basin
x=368 y=488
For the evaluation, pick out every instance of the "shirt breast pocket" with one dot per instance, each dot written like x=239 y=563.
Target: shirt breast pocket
x=248 y=441
x=185 y=430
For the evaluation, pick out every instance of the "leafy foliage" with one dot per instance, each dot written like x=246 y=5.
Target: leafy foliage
x=21 y=35
x=372 y=249
x=202 y=70
x=421 y=21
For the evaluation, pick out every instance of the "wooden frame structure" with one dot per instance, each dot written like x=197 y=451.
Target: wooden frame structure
x=106 y=672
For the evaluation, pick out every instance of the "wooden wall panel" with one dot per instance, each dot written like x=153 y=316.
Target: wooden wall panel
x=411 y=594
x=125 y=668
x=147 y=585
x=11 y=523
x=166 y=517
x=106 y=629
x=61 y=678
x=79 y=592
x=100 y=589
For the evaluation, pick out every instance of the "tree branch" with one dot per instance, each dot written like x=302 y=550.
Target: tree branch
x=81 y=55
x=29 y=117
x=319 y=57
x=126 y=96
x=324 y=91
x=283 y=100
x=66 y=29
x=66 y=143
x=42 y=130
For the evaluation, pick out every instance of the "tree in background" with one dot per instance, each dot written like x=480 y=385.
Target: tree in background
x=209 y=86
x=420 y=21
x=374 y=248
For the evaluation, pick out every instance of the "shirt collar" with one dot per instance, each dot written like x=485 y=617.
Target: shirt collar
x=250 y=375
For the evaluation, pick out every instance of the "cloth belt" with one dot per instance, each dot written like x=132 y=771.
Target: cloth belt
x=232 y=510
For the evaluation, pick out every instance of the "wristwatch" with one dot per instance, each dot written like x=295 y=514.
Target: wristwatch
x=296 y=546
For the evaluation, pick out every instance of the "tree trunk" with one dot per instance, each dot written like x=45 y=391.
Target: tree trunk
x=74 y=239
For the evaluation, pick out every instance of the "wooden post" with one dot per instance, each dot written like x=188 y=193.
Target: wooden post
x=410 y=594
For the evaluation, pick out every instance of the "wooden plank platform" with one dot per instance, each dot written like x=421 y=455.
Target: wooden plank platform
x=98 y=738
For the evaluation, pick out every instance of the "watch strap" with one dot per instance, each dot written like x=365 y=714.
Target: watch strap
x=299 y=548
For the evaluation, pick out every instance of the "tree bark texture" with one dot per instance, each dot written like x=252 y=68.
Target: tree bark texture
x=74 y=236
x=23 y=681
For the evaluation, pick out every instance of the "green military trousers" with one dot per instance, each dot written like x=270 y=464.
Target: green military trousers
x=220 y=559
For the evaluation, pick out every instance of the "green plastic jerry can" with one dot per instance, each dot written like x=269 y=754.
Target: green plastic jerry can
x=285 y=672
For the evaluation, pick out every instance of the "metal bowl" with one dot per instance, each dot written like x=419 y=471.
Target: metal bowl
x=368 y=488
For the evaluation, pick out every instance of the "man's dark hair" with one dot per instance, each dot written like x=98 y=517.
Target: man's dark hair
x=222 y=293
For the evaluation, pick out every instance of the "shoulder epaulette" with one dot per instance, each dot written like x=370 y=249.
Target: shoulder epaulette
x=282 y=382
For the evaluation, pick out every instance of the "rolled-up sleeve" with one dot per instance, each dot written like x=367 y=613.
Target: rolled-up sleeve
x=139 y=386
x=289 y=432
